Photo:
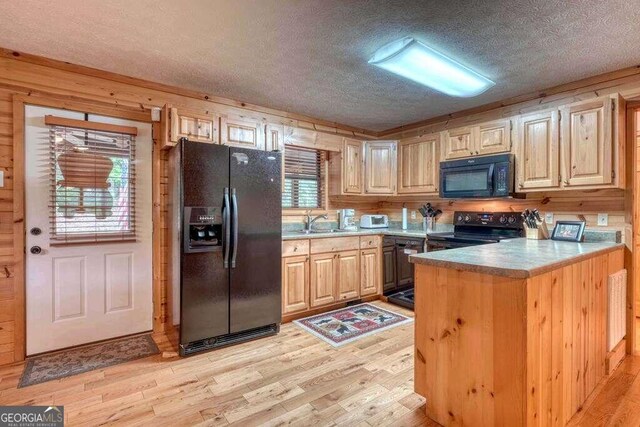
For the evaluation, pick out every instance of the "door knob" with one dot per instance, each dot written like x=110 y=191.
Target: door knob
x=36 y=250
x=35 y=231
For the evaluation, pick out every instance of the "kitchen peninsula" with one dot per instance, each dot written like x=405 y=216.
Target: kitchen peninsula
x=514 y=333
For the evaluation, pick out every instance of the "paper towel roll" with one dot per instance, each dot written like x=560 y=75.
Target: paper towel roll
x=405 y=213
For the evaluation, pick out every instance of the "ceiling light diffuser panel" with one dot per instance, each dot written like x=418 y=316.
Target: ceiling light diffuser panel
x=416 y=61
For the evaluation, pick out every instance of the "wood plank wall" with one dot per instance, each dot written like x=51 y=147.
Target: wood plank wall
x=36 y=76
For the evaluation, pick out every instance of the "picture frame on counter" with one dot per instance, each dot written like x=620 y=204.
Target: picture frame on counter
x=568 y=231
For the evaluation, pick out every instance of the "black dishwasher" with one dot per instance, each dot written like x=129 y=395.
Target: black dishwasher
x=398 y=271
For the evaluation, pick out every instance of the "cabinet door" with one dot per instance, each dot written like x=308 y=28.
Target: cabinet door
x=242 y=133
x=201 y=127
x=370 y=265
x=275 y=138
x=389 y=268
x=404 y=268
x=348 y=275
x=352 y=166
x=587 y=142
x=460 y=142
x=323 y=279
x=295 y=284
x=419 y=164
x=537 y=143
x=380 y=167
x=494 y=137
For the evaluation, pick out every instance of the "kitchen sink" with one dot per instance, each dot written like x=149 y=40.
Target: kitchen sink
x=332 y=230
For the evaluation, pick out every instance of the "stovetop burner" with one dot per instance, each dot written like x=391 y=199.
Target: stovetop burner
x=474 y=228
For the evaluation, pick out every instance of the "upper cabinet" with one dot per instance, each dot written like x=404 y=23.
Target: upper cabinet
x=587 y=142
x=380 y=167
x=460 y=142
x=578 y=146
x=242 y=132
x=418 y=164
x=274 y=137
x=537 y=151
x=494 y=137
x=352 y=164
x=179 y=123
x=486 y=138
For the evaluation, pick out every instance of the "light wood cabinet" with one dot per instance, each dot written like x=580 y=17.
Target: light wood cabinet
x=352 y=164
x=419 y=164
x=380 y=167
x=459 y=143
x=486 y=138
x=295 y=284
x=274 y=137
x=587 y=143
x=241 y=132
x=176 y=123
x=538 y=145
x=370 y=269
x=494 y=137
x=323 y=279
x=348 y=275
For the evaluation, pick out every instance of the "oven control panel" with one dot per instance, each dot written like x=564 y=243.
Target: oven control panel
x=494 y=219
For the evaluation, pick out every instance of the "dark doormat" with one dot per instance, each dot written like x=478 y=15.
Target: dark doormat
x=53 y=366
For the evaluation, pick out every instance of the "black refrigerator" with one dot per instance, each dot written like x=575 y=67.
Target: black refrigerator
x=225 y=232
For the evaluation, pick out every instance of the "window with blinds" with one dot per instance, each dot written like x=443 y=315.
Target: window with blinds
x=92 y=183
x=303 y=178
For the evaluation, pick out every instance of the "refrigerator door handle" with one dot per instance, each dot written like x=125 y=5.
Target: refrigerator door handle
x=226 y=227
x=234 y=201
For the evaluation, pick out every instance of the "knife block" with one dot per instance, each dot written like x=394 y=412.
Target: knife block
x=540 y=233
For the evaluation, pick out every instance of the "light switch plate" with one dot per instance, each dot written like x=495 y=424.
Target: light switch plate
x=603 y=219
x=548 y=217
x=2 y=179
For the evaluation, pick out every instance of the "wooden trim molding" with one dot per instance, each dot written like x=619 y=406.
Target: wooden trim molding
x=19 y=331
x=81 y=124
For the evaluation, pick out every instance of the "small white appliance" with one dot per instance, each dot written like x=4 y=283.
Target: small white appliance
x=347 y=218
x=374 y=221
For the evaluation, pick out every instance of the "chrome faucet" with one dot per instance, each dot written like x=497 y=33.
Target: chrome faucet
x=308 y=225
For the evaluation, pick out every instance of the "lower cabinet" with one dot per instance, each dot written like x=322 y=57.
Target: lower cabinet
x=370 y=267
x=323 y=278
x=295 y=284
x=348 y=275
x=344 y=270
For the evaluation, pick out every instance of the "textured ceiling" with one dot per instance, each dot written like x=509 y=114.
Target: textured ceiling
x=310 y=57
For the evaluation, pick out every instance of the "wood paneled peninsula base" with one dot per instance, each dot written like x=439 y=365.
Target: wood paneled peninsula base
x=512 y=333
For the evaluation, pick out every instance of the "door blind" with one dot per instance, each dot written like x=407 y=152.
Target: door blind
x=92 y=183
x=303 y=178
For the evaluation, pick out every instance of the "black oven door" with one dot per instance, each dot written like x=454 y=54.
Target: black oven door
x=468 y=181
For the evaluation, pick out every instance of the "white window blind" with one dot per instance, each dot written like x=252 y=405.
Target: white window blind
x=303 y=178
x=92 y=182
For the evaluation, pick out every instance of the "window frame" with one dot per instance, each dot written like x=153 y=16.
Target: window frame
x=324 y=202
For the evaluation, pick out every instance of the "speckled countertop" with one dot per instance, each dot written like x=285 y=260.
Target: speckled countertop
x=293 y=235
x=517 y=258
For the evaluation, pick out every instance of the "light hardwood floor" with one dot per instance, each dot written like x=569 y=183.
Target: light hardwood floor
x=291 y=379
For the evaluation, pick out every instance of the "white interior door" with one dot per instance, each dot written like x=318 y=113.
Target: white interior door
x=80 y=293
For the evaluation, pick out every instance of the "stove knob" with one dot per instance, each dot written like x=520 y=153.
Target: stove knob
x=467 y=218
x=512 y=219
x=459 y=218
x=503 y=219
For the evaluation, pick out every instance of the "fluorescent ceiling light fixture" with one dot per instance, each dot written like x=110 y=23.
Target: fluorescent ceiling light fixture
x=416 y=61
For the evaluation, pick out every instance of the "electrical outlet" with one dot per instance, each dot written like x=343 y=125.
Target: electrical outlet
x=603 y=219
x=413 y=214
x=548 y=218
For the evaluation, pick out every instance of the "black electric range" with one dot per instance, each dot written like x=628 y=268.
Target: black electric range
x=469 y=229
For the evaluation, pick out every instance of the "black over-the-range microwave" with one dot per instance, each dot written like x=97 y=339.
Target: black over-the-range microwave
x=478 y=177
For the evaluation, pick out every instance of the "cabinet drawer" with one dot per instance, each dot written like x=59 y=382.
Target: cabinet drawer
x=370 y=242
x=334 y=244
x=295 y=247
